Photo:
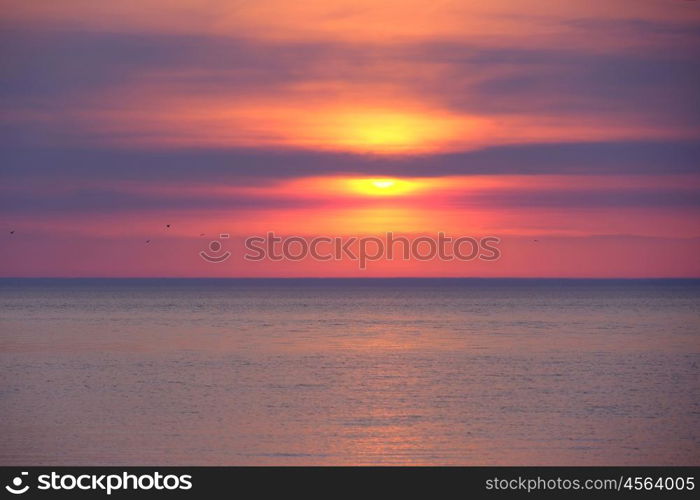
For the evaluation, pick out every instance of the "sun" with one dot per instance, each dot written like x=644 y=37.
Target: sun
x=382 y=186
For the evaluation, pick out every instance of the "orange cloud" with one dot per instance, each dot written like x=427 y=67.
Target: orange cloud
x=352 y=20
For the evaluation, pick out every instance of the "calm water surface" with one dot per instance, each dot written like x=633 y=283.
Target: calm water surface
x=349 y=372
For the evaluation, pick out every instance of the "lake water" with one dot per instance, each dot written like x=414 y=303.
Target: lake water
x=475 y=372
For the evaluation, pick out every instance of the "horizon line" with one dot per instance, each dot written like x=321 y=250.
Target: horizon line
x=637 y=278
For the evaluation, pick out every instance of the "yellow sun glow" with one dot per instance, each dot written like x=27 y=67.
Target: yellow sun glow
x=382 y=131
x=382 y=187
x=383 y=184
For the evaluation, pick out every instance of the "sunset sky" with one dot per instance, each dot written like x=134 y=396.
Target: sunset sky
x=570 y=130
